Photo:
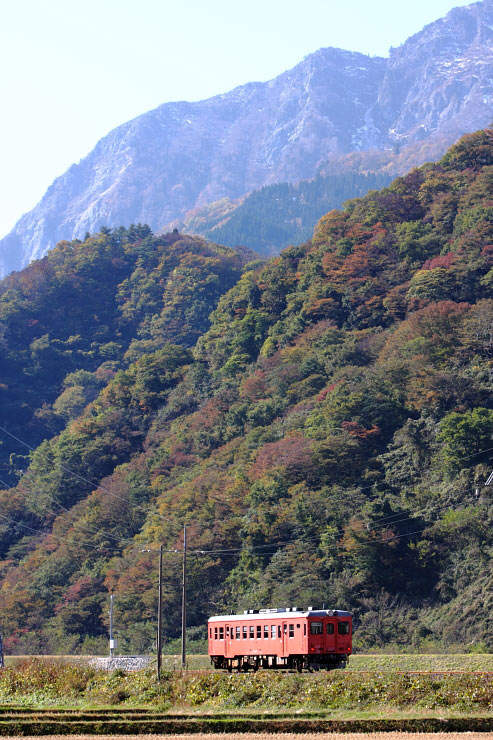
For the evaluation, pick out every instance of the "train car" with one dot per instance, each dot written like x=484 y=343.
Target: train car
x=281 y=638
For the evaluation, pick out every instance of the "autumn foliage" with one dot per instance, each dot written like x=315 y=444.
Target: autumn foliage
x=322 y=422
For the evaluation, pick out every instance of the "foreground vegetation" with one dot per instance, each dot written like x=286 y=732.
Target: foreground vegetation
x=40 y=683
x=43 y=698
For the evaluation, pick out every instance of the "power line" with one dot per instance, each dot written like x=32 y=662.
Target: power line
x=76 y=523
x=381 y=522
x=293 y=542
x=46 y=534
x=81 y=477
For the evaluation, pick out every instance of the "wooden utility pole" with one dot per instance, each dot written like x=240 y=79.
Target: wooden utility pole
x=159 y=640
x=184 y=603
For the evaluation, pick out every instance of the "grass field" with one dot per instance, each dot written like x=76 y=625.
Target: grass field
x=402 y=662
x=435 y=694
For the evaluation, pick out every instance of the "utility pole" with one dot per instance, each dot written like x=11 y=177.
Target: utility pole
x=487 y=483
x=112 y=641
x=159 y=640
x=184 y=603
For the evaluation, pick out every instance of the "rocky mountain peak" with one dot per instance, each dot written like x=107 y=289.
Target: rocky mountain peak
x=184 y=155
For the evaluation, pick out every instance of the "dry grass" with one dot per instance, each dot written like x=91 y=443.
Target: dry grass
x=377 y=662
x=283 y=736
x=401 y=663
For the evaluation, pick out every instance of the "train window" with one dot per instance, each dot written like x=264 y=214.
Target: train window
x=304 y=628
x=221 y=633
x=273 y=631
x=245 y=635
x=238 y=633
x=266 y=631
x=343 y=628
x=279 y=630
x=259 y=630
x=330 y=628
x=232 y=633
x=291 y=630
x=215 y=633
x=285 y=630
x=210 y=632
x=227 y=631
x=252 y=632
x=315 y=628
x=297 y=626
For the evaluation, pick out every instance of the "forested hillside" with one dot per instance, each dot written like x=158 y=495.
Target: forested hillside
x=276 y=216
x=326 y=439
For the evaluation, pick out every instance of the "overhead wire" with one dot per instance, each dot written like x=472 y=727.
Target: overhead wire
x=81 y=477
x=385 y=521
x=47 y=534
x=390 y=483
x=57 y=537
x=68 y=511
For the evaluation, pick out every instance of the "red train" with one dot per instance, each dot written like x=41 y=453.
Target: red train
x=281 y=638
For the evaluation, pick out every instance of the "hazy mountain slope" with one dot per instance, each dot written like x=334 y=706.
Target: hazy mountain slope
x=183 y=155
x=439 y=80
x=323 y=440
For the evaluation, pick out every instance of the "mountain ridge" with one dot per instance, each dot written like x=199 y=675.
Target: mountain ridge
x=183 y=155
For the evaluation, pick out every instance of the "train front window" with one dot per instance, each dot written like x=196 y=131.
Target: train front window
x=215 y=633
x=315 y=628
x=330 y=628
x=343 y=628
x=221 y=633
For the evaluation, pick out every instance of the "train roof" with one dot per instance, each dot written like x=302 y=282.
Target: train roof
x=280 y=614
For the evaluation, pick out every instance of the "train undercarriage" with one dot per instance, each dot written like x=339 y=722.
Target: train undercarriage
x=245 y=663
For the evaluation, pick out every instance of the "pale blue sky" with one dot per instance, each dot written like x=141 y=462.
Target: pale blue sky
x=71 y=70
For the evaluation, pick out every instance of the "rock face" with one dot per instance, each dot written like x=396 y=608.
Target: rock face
x=158 y=166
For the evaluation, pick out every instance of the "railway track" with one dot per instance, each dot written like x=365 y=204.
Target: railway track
x=348 y=671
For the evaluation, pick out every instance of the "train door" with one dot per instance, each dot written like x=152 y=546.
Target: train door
x=343 y=629
x=330 y=629
x=228 y=636
x=285 y=646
